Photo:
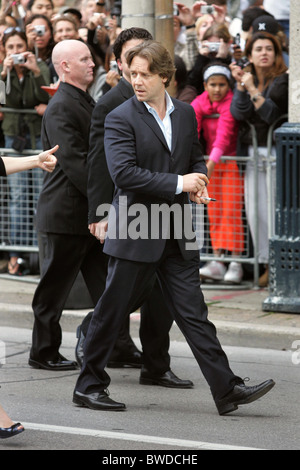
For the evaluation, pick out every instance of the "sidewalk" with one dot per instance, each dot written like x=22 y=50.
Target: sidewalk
x=236 y=312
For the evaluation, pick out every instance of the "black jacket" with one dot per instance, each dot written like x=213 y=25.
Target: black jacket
x=100 y=186
x=275 y=105
x=63 y=205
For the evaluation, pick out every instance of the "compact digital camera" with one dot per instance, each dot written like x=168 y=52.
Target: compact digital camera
x=113 y=66
x=18 y=58
x=207 y=10
x=175 y=10
x=213 y=46
x=40 y=29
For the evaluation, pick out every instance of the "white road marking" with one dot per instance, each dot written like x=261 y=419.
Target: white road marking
x=134 y=437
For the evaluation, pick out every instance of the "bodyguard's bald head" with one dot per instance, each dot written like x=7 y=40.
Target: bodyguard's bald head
x=73 y=63
x=66 y=50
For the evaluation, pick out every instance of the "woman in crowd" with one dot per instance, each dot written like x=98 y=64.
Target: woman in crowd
x=105 y=77
x=8 y=165
x=23 y=76
x=40 y=7
x=39 y=33
x=215 y=44
x=65 y=27
x=184 y=92
x=226 y=184
x=261 y=97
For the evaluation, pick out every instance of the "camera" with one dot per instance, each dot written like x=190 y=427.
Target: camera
x=237 y=40
x=18 y=58
x=243 y=62
x=207 y=10
x=175 y=10
x=113 y=66
x=213 y=46
x=40 y=29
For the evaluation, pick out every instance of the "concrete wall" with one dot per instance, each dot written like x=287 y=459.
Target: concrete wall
x=139 y=14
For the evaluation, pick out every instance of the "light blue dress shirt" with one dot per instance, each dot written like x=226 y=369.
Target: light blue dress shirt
x=166 y=127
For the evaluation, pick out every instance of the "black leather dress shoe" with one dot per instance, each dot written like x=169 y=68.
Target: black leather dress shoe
x=61 y=363
x=132 y=359
x=168 y=379
x=97 y=401
x=242 y=395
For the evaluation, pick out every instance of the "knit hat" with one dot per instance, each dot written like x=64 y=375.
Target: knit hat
x=265 y=24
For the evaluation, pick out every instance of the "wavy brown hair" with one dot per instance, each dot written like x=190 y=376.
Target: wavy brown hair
x=219 y=30
x=158 y=57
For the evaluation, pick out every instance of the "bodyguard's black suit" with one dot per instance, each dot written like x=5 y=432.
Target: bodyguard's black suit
x=62 y=214
x=156 y=321
x=145 y=171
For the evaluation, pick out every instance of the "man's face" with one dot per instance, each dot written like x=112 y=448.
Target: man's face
x=147 y=86
x=42 y=7
x=64 y=29
x=79 y=67
x=122 y=63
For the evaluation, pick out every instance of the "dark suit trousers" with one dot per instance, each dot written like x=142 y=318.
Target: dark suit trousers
x=65 y=256
x=155 y=325
x=180 y=285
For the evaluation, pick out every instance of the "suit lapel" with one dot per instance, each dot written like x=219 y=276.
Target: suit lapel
x=151 y=122
x=175 y=119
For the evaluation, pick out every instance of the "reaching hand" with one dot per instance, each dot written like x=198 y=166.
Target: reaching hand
x=47 y=161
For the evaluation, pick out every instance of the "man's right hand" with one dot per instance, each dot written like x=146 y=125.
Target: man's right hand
x=99 y=229
x=194 y=182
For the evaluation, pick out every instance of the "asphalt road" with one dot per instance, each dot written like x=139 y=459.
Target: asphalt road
x=158 y=420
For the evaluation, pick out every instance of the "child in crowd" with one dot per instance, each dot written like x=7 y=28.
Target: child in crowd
x=226 y=184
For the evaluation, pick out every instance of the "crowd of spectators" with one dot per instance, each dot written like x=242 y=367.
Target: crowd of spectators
x=247 y=37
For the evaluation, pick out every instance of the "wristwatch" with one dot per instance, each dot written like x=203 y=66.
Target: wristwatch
x=255 y=97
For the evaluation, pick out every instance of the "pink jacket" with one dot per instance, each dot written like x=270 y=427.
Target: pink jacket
x=220 y=134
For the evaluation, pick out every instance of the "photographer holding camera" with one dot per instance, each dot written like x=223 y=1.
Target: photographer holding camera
x=216 y=44
x=39 y=33
x=23 y=76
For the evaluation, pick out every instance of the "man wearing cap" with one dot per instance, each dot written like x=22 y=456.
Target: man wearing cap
x=268 y=24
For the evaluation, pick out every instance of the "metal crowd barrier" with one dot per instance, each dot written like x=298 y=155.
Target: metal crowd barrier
x=248 y=255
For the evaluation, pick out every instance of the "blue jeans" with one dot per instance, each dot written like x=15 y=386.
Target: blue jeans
x=286 y=26
x=24 y=189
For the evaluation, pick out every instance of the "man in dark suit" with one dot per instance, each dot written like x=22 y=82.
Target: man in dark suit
x=156 y=321
x=154 y=158
x=62 y=213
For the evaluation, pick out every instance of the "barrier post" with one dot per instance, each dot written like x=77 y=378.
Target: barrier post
x=284 y=265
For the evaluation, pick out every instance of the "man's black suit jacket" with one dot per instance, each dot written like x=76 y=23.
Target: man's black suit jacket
x=145 y=173
x=63 y=205
x=100 y=186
